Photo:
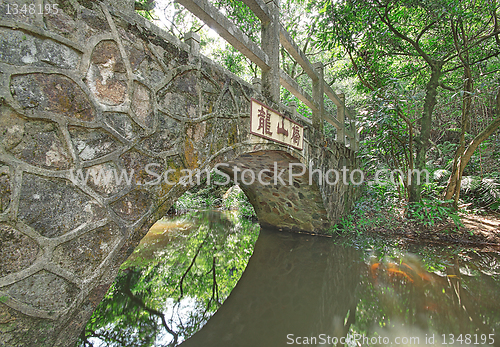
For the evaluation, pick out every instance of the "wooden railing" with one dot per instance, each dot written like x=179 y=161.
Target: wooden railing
x=267 y=58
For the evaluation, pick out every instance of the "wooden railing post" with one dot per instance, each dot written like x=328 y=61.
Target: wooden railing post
x=257 y=85
x=341 y=119
x=355 y=140
x=318 y=91
x=293 y=105
x=271 y=46
x=193 y=41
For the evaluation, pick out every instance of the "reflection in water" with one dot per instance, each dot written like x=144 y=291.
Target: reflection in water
x=174 y=281
x=295 y=288
x=448 y=291
x=294 y=284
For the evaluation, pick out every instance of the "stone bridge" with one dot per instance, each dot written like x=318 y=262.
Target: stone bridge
x=90 y=87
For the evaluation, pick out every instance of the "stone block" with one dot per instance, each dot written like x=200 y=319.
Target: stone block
x=54 y=207
x=41 y=146
x=92 y=143
x=123 y=125
x=180 y=97
x=44 y=291
x=19 y=48
x=132 y=206
x=17 y=251
x=84 y=254
x=102 y=179
x=142 y=105
x=18 y=11
x=5 y=187
x=166 y=136
x=11 y=127
x=52 y=93
x=106 y=76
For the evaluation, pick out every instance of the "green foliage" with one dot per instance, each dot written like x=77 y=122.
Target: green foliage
x=386 y=136
x=191 y=201
x=288 y=98
x=204 y=195
x=237 y=200
x=391 y=46
x=241 y=15
x=374 y=209
x=429 y=212
x=227 y=57
x=3 y=299
x=481 y=192
x=213 y=196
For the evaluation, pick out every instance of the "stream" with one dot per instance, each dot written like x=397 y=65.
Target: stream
x=212 y=278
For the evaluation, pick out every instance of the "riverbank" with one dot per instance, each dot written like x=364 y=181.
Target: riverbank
x=482 y=231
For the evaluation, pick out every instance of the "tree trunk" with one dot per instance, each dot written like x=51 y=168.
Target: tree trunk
x=456 y=171
x=465 y=125
x=465 y=157
x=422 y=141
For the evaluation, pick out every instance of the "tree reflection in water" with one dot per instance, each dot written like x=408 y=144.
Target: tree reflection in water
x=175 y=280
x=294 y=284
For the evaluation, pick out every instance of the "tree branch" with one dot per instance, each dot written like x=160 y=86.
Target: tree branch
x=444 y=86
x=427 y=27
x=356 y=69
x=497 y=26
x=473 y=63
x=472 y=46
x=187 y=271
x=385 y=19
x=86 y=342
x=152 y=311
x=215 y=291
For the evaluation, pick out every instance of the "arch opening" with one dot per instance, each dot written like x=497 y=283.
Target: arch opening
x=178 y=276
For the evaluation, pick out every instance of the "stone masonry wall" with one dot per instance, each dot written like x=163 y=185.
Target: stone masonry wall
x=93 y=88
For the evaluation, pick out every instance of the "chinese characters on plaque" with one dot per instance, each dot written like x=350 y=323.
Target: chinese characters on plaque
x=272 y=125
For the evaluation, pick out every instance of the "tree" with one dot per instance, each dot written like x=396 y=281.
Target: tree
x=464 y=155
x=411 y=41
x=462 y=38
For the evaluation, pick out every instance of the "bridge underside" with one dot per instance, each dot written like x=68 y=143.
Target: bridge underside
x=92 y=88
x=279 y=202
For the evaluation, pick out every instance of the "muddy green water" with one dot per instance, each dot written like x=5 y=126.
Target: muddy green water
x=214 y=279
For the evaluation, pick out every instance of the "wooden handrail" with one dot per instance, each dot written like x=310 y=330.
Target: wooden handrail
x=227 y=30
x=291 y=85
x=260 y=9
x=292 y=48
x=218 y=22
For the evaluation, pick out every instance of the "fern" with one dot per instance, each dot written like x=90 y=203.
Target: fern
x=470 y=184
x=483 y=192
x=441 y=174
